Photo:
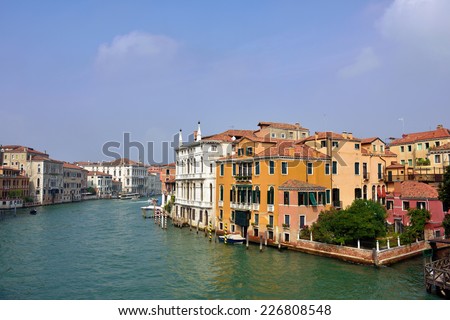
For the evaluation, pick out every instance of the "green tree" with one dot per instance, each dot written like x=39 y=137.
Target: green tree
x=418 y=218
x=364 y=220
x=446 y=225
x=444 y=189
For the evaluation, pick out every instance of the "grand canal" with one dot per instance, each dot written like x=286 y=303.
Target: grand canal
x=105 y=250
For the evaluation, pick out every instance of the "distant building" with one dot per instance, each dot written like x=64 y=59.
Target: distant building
x=440 y=156
x=133 y=175
x=46 y=180
x=166 y=175
x=75 y=182
x=14 y=187
x=101 y=182
x=410 y=195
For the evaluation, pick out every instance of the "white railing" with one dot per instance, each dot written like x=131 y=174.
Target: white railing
x=270 y=207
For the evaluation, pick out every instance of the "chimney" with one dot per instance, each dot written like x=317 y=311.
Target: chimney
x=349 y=135
x=199 y=133
x=344 y=134
x=297 y=124
x=439 y=126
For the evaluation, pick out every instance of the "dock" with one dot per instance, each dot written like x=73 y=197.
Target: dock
x=437 y=272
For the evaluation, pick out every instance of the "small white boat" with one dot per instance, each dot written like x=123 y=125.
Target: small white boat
x=157 y=209
x=232 y=238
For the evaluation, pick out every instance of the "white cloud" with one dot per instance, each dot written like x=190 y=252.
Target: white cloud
x=366 y=61
x=420 y=26
x=136 y=50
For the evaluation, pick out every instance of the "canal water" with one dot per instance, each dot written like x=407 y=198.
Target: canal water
x=104 y=249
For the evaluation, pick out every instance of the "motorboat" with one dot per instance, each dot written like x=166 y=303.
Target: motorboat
x=128 y=196
x=233 y=239
x=33 y=211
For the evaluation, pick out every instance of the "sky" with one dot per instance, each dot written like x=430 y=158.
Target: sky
x=77 y=75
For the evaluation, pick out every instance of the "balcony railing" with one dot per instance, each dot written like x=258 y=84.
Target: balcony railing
x=337 y=204
x=243 y=178
x=366 y=176
x=256 y=206
x=415 y=177
x=270 y=207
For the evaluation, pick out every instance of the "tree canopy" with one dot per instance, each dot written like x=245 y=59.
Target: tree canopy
x=444 y=189
x=363 y=220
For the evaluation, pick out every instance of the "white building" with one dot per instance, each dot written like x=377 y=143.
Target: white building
x=133 y=175
x=195 y=175
x=46 y=180
x=101 y=182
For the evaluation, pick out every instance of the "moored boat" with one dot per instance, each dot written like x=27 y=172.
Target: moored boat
x=232 y=238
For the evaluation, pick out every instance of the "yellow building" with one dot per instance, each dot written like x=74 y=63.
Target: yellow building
x=248 y=183
x=412 y=148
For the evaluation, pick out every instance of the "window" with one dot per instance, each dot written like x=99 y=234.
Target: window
x=257 y=168
x=421 y=205
x=286 y=198
x=256 y=195
x=323 y=144
x=374 y=148
x=221 y=169
x=405 y=205
x=221 y=194
x=302 y=222
x=437 y=143
x=334 y=167
x=335 y=144
x=240 y=152
x=233 y=228
x=271 y=167
x=233 y=215
x=437 y=158
x=357 y=168
x=284 y=167
x=402 y=162
x=283 y=136
x=270 y=195
x=327 y=168
x=389 y=204
x=271 y=220
x=427 y=145
x=410 y=162
x=286 y=237
x=328 y=196
x=249 y=151
x=256 y=218
x=356 y=146
x=381 y=148
x=419 y=146
x=409 y=148
x=302 y=199
x=287 y=220
x=221 y=214
x=358 y=193
x=310 y=168
x=273 y=135
x=312 y=198
x=380 y=171
x=402 y=149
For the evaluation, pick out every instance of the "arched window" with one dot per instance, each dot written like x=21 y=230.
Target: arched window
x=270 y=195
x=257 y=195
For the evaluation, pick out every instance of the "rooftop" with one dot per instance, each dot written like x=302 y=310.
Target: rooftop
x=438 y=133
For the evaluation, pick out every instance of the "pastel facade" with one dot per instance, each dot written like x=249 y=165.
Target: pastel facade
x=74 y=182
x=410 y=195
x=248 y=184
x=101 y=182
x=412 y=148
x=46 y=180
x=14 y=187
x=440 y=156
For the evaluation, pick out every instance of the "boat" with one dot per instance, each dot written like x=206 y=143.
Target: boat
x=233 y=238
x=33 y=211
x=128 y=196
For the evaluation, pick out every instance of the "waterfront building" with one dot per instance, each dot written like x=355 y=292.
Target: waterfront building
x=101 y=182
x=413 y=150
x=74 y=182
x=284 y=131
x=195 y=175
x=14 y=188
x=19 y=157
x=133 y=175
x=46 y=180
x=167 y=175
x=269 y=187
x=410 y=195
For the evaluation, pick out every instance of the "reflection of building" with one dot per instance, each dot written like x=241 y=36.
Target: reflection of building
x=410 y=195
x=75 y=180
x=14 y=187
x=101 y=182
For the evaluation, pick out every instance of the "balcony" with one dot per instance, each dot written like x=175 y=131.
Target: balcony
x=366 y=176
x=221 y=204
x=241 y=206
x=270 y=207
x=243 y=178
x=256 y=206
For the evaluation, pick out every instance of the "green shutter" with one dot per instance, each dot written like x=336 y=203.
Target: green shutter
x=312 y=197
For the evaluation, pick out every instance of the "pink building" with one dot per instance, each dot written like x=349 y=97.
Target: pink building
x=411 y=195
x=299 y=206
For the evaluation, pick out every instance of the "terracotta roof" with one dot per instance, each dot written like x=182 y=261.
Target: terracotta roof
x=334 y=136
x=439 y=133
x=44 y=158
x=279 y=125
x=395 y=166
x=444 y=147
x=370 y=140
x=228 y=135
x=122 y=161
x=418 y=190
x=72 y=166
x=17 y=148
x=300 y=185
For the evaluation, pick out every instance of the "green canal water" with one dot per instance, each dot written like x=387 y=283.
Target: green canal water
x=105 y=250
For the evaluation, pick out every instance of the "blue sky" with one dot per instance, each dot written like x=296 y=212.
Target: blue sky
x=75 y=75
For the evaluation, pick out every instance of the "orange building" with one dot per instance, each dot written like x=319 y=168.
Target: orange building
x=250 y=180
x=13 y=188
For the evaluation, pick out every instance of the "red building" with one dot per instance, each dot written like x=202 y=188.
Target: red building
x=411 y=195
x=13 y=188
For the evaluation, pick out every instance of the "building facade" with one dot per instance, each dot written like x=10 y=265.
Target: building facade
x=46 y=180
x=101 y=182
x=74 y=182
x=14 y=188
